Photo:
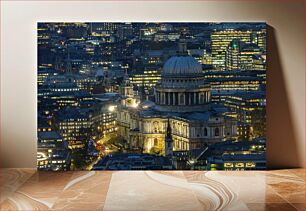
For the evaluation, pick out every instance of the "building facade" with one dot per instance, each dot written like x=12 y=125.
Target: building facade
x=220 y=41
x=182 y=97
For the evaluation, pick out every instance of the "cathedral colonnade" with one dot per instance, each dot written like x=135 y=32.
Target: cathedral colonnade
x=182 y=98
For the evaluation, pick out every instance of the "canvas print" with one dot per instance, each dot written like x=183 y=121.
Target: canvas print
x=151 y=96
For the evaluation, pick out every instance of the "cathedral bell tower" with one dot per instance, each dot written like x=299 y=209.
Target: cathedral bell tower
x=126 y=92
x=126 y=88
x=168 y=142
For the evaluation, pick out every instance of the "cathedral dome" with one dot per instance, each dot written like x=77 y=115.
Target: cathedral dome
x=182 y=87
x=182 y=66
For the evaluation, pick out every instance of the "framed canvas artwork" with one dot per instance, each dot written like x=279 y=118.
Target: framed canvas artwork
x=151 y=96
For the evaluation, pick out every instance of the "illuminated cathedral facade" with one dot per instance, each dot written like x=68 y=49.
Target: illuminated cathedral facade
x=182 y=102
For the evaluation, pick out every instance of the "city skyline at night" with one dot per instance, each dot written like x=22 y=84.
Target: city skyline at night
x=151 y=96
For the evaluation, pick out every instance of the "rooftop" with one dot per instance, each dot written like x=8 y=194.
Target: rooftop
x=48 y=135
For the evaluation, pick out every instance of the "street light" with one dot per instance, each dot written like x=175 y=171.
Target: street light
x=111 y=108
x=135 y=105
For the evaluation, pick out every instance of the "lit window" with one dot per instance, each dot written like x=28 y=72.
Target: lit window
x=228 y=165
x=239 y=165
x=250 y=164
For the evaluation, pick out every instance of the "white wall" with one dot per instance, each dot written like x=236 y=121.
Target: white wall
x=286 y=72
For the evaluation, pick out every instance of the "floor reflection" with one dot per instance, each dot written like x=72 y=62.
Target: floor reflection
x=27 y=189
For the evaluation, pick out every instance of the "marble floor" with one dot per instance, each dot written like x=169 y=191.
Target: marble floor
x=27 y=189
